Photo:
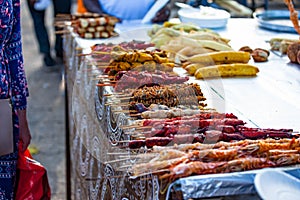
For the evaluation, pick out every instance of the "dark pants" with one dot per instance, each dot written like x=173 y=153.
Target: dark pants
x=40 y=30
x=38 y=17
x=60 y=7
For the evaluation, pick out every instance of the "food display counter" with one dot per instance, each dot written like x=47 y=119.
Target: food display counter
x=97 y=168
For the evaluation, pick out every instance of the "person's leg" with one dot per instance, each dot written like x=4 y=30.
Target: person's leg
x=41 y=33
x=60 y=7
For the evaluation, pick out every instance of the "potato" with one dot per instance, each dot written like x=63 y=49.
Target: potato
x=292 y=51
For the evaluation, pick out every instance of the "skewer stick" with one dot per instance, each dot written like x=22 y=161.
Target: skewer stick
x=114 y=94
x=105 y=76
x=62 y=18
x=83 y=54
x=150 y=172
x=124 y=111
x=101 y=52
x=138 y=136
x=119 y=101
x=105 y=81
x=118 y=153
x=63 y=15
x=115 y=161
x=61 y=24
x=94 y=179
x=104 y=84
x=62 y=32
x=143 y=155
x=129 y=126
x=124 y=166
x=134 y=134
x=110 y=81
x=113 y=104
x=144 y=127
x=108 y=95
x=136 y=115
x=122 y=141
x=124 y=98
x=93 y=53
x=94 y=76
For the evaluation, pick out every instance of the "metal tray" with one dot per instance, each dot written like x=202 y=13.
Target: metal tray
x=275 y=20
x=235 y=184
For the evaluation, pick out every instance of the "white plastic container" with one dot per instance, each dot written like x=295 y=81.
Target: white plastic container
x=205 y=17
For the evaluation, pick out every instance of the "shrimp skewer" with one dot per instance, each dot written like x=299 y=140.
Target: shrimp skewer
x=293 y=15
x=199 y=168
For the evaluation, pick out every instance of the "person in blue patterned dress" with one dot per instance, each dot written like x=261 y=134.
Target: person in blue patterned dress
x=13 y=86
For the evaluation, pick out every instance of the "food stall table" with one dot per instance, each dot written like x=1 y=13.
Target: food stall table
x=267 y=100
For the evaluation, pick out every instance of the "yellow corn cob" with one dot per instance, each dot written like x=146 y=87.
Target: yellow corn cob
x=222 y=57
x=226 y=70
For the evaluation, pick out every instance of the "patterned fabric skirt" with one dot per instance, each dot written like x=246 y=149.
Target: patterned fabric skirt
x=8 y=164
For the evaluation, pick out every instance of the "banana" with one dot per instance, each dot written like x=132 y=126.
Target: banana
x=208 y=36
x=222 y=57
x=160 y=40
x=167 y=31
x=226 y=70
x=206 y=44
x=192 y=68
x=186 y=27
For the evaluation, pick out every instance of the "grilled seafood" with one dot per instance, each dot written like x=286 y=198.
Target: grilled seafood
x=142 y=168
x=196 y=168
x=293 y=15
x=285 y=159
x=212 y=155
x=248 y=163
